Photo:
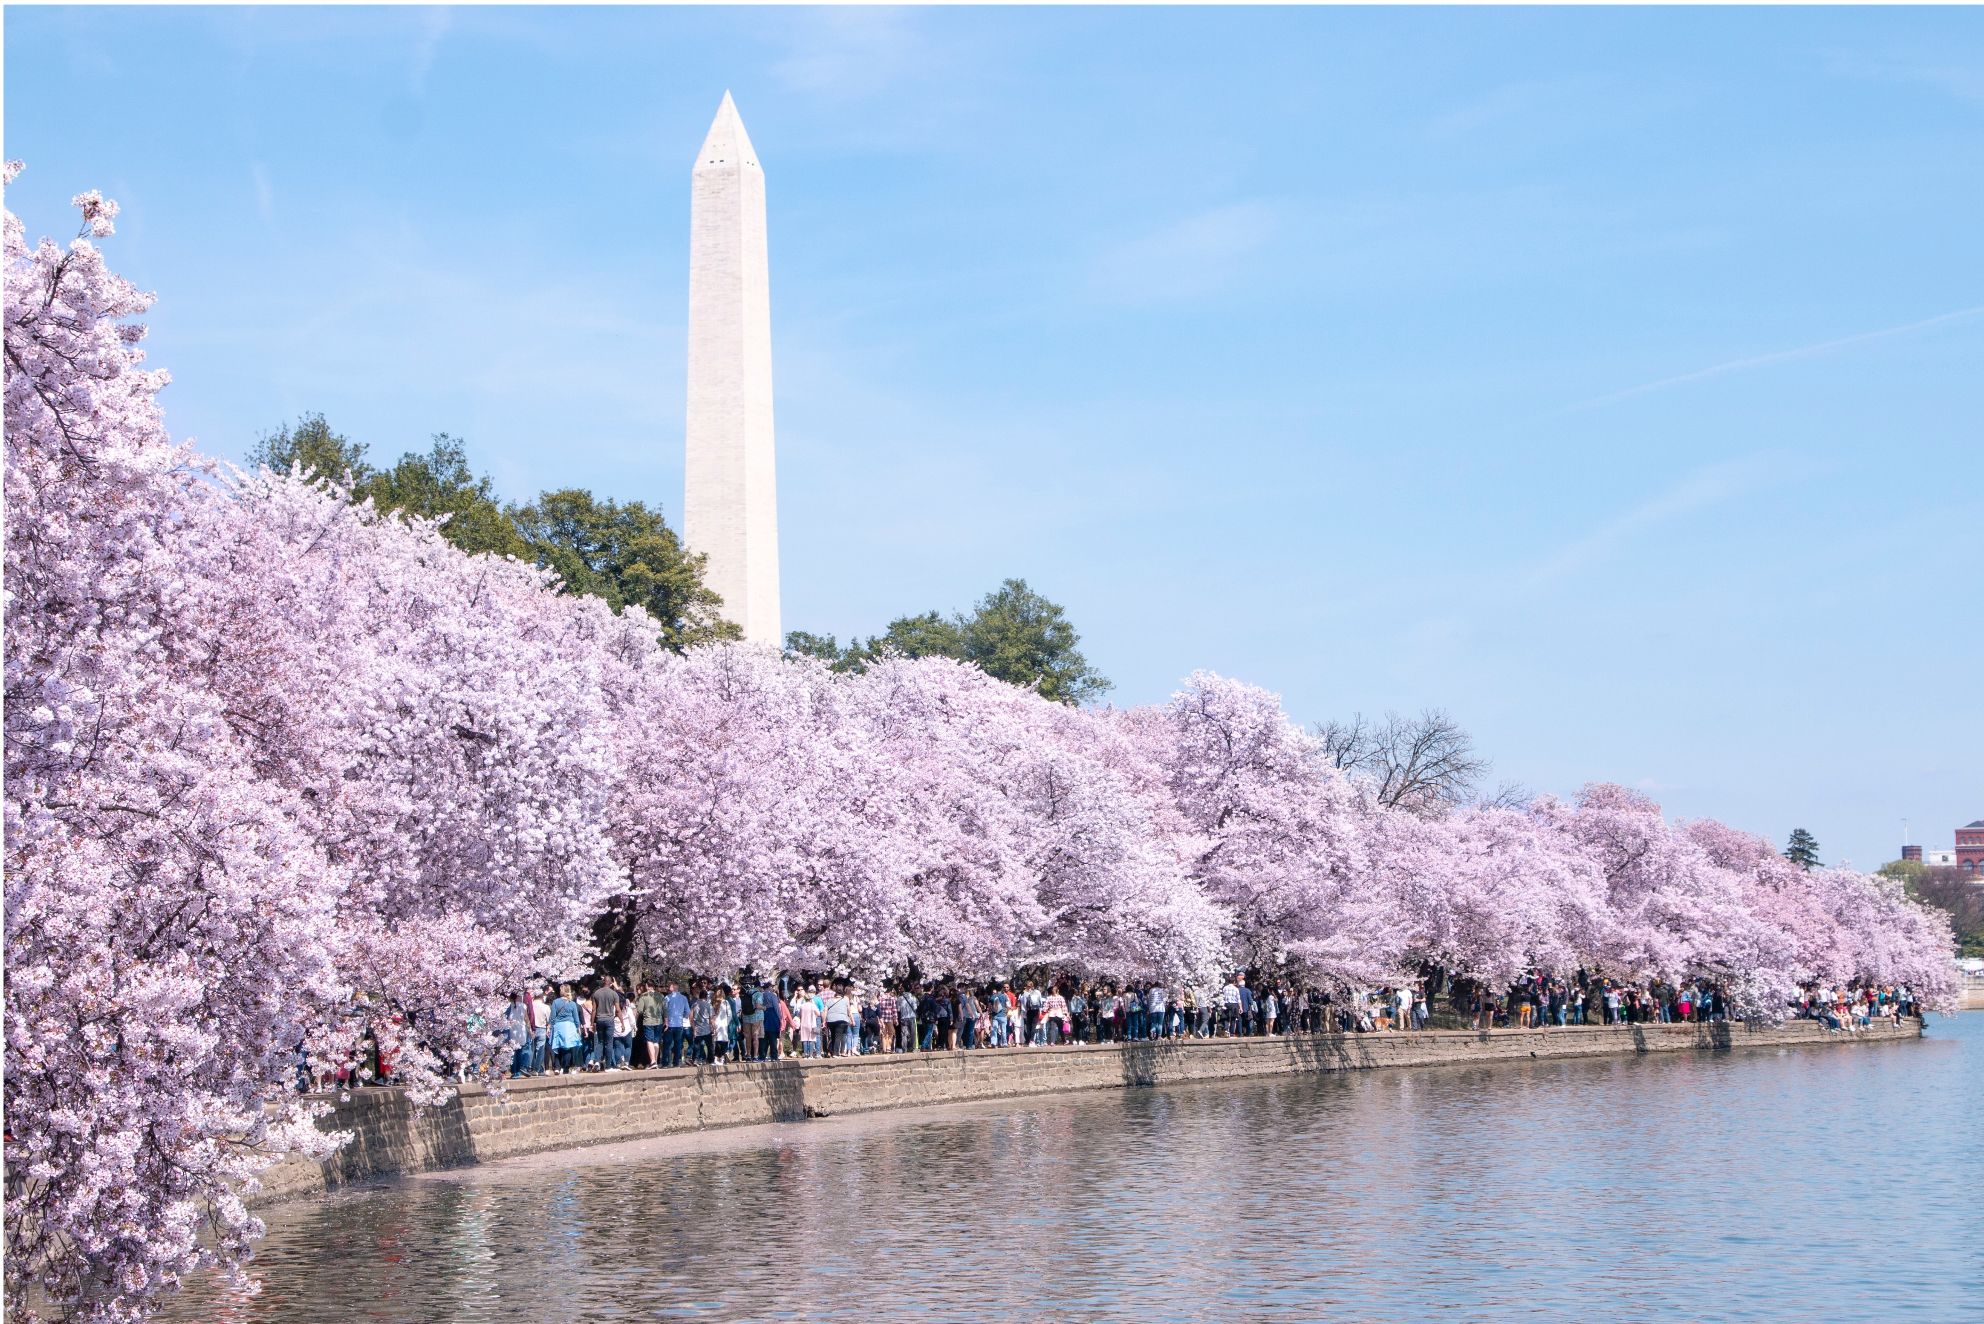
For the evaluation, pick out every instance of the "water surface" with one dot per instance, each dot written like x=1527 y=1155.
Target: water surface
x=1821 y=1183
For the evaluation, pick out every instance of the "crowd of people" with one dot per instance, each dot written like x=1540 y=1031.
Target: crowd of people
x=1844 y=1008
x=602 y=1024
x=606 y=1024
x=316 y=787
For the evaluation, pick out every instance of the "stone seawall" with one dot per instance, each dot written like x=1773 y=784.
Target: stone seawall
x=568 y=1111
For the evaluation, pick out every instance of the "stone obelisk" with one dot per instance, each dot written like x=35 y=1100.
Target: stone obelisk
x=730 y=507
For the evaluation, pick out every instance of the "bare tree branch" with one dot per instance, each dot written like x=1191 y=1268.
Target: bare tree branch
x=1508 y=795
x=1424 y=765
x=1345 y=744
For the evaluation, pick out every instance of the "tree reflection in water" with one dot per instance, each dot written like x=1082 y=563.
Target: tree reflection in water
x=1807 y=1183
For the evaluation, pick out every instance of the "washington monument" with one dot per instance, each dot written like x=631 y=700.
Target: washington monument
x=730 y=506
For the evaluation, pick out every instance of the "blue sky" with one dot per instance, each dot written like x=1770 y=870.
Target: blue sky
x=1611 y=378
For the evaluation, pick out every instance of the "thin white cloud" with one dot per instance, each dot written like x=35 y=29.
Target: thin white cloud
x=1767 y=360
x=1198 y=255
x=842 y=54
x=1708 y=486
x=1958 y=73
x=265 y=195
x=434 y=26
x=1554 y=97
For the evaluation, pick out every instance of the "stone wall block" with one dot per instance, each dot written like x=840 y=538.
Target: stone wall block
x=535 y=1116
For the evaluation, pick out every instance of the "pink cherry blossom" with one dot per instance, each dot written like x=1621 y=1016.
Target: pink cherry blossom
x=278 y=772
x=283 y=776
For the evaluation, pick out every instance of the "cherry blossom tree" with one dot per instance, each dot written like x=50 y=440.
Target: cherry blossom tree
x=169 y=922
x=1506 y=897
x=748 y=816
x=1672 y=912
x=1275 y=836
x=282 y=775
x=772 y=812
x=448 y=733
x=1043 y=850
x=1836 y=926
x=278 y=773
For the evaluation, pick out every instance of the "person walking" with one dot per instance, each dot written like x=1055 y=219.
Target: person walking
x=906 y=1007
x=723 y=1011
x=676 y=1009
x=540 y=1029
x=781 y=1034
x=870 y=1015
x=1054 y=1015
x=517 y=1017
x=605 y=1003
x=653 y=1014
x=835 y=1016
x=754 y=1022
x=944 y=1011
x=566 y=1040
x=702 y=1024
x=967 y=1018
x=774 y=1022
x=808 y=1013
x=888 y=1008
x=623 y=1033
x=588 y=1032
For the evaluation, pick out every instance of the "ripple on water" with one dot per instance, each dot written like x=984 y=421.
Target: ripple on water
x=1807 y=1184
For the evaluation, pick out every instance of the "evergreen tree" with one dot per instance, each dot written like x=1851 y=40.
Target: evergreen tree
x=431 y=486
x=824 y=647
x=1014 y=634
x=1803 y=849
x=928 y=635
x=313 y=445
x=1021 y=637
x=624 y=553
x=440 y=483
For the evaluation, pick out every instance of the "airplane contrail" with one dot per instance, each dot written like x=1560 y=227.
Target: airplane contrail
x=1782 y=356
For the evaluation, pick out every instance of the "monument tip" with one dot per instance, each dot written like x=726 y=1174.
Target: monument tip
x=727 y=144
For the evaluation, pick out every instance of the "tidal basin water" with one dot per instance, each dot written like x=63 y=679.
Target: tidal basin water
x=1821 y=1184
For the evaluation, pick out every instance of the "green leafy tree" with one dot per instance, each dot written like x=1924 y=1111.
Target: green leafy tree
x=624 y=553
x=312 y=444
x=432 y=486
x=1021 y=637
x=1014 y=634
x=824 y=647
x=928 y=635
x=1803 y=849
x=439 y=484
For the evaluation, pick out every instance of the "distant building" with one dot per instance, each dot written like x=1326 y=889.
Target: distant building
x=1912 y=853
x=1970 y=847
x=1941 y=858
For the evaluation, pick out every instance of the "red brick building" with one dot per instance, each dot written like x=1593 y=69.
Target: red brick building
x=1970 y=847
